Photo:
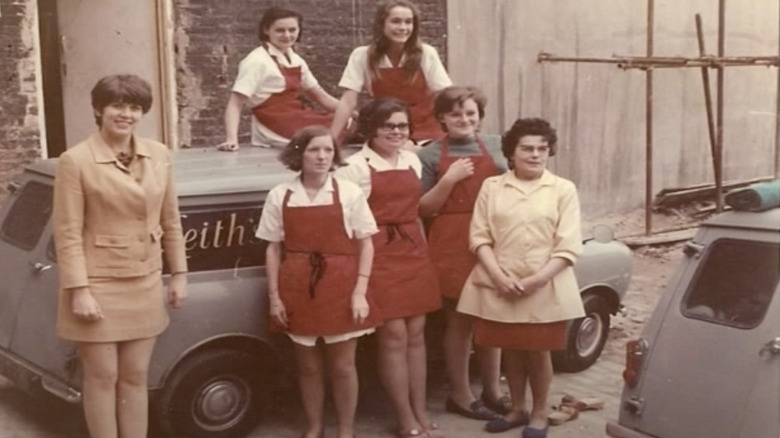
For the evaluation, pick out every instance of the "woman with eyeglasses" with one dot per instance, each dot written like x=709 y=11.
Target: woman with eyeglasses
x=395 y=64
x=526 y=234
x=403 y=280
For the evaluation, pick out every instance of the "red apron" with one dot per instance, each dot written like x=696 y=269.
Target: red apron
x=448 y=235
x=319 y=271
x=393 y=82
x=402 y=276
x=284 y=113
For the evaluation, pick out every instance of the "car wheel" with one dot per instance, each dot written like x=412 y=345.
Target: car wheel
x=213 y=394
x=586 y=338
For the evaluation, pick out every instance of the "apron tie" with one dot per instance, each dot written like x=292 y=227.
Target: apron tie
x=318 y=265
x=394 y=230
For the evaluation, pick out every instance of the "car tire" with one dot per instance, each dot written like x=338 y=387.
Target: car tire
x=213 y=394
x=586 y=338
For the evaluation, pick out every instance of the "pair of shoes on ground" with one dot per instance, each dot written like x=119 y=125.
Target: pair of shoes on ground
x=583 y=404
x=476 y=410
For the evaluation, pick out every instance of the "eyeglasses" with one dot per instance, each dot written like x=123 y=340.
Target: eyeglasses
x=393 y=126
x=530 y=149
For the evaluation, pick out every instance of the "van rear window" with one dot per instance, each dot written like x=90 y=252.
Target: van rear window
x=222 y=238
x=734 y=284
x=28 y=216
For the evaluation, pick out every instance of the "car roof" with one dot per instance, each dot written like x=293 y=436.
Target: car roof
x=763 y=220
x=206 y=171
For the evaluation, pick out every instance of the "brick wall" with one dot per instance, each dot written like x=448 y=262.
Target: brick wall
x=212 y=36
x=19 y=131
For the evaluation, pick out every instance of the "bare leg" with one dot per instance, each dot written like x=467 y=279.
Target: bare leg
x=343 y=375
x=540 y=372
x=394 y=370
x=490 y=371
x=310 y=379
x=99 y=363
x=516 y=368
x=457 y=348
x=132 y=403
x=418 y=368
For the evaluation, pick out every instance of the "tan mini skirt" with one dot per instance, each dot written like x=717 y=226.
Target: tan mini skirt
x=133 y=308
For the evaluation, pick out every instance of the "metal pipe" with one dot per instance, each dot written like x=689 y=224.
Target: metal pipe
x=649 y=123
x=718 y=162
x=705 y=76
x=777 y=109
x=668 y=62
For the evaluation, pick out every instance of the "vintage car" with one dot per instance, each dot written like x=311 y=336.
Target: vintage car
x=708 y=360
x=217 y=363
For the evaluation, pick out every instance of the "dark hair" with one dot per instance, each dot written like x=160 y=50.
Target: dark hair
x=448 y=98
x=277 y=13
x=376 y=112
x=380 y=44
x=292 y=155
x=120 y=88
x=523 y=127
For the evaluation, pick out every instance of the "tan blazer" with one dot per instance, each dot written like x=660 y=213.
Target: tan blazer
x=111 y=221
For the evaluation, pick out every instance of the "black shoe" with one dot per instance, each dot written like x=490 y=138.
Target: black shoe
x=502 y=406
x=532 y=432
x=501 y=425
x=476 y=410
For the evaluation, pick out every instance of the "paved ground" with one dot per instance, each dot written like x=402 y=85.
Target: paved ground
x=24 y=417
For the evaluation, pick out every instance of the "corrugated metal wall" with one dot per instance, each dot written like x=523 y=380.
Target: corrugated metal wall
x=599 y=109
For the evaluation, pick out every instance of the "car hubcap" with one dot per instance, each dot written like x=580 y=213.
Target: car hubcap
x=221 y=403
x=589 y=334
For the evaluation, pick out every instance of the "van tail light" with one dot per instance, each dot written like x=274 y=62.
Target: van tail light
x=635 y=355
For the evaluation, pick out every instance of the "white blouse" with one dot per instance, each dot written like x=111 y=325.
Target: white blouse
x=358 y=220
x=357 y=169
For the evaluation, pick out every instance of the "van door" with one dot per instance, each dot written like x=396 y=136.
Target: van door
x=705 y=360
x=25 y=215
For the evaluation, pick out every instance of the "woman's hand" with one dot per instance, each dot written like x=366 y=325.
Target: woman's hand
x=228 y=146
x=278 y=311
x=84 y=305
x=506 y=286
x=177 y=290
x=461 y=169
x=531 y=284
x=360 y=307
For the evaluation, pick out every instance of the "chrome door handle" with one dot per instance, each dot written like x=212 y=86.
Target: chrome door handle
x=772 y=347
x=40 y=267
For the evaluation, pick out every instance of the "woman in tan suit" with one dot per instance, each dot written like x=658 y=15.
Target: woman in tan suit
x=115 y=210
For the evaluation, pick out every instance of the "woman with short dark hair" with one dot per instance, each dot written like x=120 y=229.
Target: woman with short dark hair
x=403 y=280
x=319 y=289
x=526 y=234
x=271 y=80
x=454 y=168
x=115 y=213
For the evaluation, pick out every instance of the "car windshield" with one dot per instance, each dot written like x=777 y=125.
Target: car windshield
x=735 y=283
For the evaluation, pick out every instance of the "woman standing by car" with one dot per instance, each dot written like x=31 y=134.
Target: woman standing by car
x=271 y=80
x=320 y=288
x=526 y=234
x=453 y=170
x=396 y=64
x=115 y=209
x=403 y=279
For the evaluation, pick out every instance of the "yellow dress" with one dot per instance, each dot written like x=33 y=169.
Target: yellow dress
x=526 y=226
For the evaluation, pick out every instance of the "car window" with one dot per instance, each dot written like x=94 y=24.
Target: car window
x=28 y=216
x=734 y=284
x=222 y=237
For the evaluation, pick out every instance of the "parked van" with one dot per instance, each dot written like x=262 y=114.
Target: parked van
x=707 y=363
x=217 y=362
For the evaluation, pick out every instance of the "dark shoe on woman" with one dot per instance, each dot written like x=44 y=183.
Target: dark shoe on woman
x=532 y=432
x=501 y=406
x=476 y=410
x=499 y=424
